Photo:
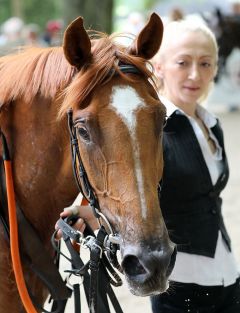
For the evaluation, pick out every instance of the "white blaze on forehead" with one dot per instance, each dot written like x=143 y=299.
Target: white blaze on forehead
x=126 y=102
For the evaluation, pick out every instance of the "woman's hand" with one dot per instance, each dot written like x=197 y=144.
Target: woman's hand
x=85 y=214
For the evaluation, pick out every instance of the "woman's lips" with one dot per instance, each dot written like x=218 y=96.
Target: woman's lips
x=191 y=88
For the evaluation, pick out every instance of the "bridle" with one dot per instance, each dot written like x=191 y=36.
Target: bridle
x=81 y=177
x=79 y=171
x=106 y=240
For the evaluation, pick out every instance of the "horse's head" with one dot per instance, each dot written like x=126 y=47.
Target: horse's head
x=119 y=121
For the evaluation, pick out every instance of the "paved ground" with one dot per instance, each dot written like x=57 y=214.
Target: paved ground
x=220 y=102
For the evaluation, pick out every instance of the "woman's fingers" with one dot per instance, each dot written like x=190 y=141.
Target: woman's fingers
x=71 y=210
x=85 y=214
x=79 y=225
x=58 y=235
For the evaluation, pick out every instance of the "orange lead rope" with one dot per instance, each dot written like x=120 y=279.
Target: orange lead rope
x=84 y=202
x=14 y=246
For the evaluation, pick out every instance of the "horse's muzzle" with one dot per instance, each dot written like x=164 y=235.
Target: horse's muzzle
x=147 y=270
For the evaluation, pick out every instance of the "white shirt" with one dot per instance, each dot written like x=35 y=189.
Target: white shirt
x=193 y=268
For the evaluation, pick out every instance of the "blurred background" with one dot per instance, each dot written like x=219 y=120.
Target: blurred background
x=42 y=23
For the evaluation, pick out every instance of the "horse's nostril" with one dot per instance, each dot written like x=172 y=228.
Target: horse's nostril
x=132 y=266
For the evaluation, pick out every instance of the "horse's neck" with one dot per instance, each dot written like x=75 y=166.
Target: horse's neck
x=41 y=160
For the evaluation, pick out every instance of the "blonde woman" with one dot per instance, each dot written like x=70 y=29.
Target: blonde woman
x=205 y=277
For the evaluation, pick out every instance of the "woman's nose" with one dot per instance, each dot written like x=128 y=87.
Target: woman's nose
x=194 y=73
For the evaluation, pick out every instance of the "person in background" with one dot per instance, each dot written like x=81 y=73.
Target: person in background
x=205 y=277
x=31 y=35
x=53 y=33
x=11 y=35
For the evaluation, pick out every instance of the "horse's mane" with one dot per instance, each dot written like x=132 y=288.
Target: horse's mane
x=45 y=71
x=33 y=71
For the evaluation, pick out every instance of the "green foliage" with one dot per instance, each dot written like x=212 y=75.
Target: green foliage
x=150 y=3
x=33 y=11
x=5 y=10
x=97 y=14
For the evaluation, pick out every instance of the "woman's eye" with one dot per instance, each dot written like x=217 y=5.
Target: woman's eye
x=181 y=63
x=83 y=133
x=206 y=64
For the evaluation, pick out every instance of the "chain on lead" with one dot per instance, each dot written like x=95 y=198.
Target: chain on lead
x=89 y=242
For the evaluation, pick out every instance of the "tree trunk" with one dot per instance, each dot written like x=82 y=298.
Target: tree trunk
x=97 y=14
x=16 y=8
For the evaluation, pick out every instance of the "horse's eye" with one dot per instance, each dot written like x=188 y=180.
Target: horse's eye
x=83 y=133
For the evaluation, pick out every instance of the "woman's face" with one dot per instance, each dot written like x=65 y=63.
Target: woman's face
x=188 y=67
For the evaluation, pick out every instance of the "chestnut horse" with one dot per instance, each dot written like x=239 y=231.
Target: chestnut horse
x=119 y=120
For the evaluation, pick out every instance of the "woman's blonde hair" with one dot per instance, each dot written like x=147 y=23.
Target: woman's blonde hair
x=171 y=30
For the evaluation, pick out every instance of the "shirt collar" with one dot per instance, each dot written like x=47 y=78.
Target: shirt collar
x=208 y=118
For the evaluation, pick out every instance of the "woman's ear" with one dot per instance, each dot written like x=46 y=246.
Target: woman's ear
x=215 y=72
x=158 y=70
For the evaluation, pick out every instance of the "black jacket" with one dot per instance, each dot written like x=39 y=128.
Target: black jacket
x=191 y=205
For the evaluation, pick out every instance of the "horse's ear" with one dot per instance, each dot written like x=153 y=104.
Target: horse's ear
x=77 y=44
x=149 y=40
